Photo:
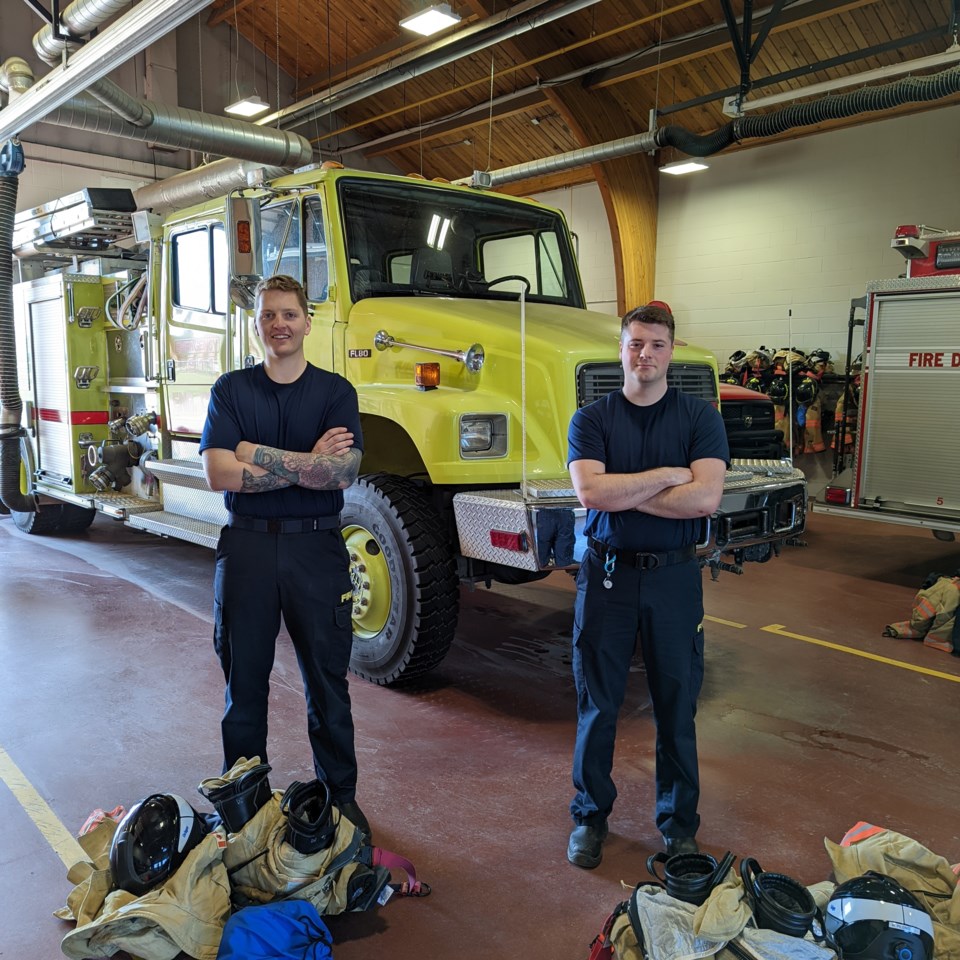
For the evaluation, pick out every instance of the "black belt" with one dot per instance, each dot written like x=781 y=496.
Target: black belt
x=298 y=525
x=643 y=561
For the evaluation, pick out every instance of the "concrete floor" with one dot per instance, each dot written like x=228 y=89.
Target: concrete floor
x=110 y=690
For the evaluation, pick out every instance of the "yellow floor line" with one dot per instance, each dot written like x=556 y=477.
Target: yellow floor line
x=727 y=623
x=38 y=810
x=780 y=631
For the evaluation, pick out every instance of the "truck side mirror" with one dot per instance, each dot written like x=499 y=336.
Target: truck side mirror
x=244 y=253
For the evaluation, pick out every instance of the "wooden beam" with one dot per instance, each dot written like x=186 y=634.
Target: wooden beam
x=226 y=12
x=463 y=121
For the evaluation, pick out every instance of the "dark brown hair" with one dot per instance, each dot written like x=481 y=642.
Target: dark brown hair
x=648 y=314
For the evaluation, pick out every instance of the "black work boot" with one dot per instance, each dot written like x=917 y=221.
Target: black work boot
x=351 y=810
x=585 y=848
x=676 y=845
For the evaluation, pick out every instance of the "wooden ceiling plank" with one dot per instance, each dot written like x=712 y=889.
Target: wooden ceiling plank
x=227 y=12
x=715 y=41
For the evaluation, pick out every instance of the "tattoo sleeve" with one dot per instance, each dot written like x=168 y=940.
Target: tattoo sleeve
x=316 y=471
x=268 y=481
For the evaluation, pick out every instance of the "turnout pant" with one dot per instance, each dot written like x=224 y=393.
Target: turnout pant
x=305 y=578
x=665 y=606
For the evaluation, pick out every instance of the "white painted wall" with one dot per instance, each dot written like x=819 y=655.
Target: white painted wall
x=52 y=172
x=770 y=244
x=587 y=218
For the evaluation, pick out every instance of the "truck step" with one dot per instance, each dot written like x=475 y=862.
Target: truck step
x=166 y=524
x=123 y=505
x=182 y=473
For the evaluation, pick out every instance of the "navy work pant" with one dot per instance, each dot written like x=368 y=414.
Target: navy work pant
x=665 y=606
x=305 y=578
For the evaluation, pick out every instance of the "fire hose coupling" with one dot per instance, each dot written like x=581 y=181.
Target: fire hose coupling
x=11 y=159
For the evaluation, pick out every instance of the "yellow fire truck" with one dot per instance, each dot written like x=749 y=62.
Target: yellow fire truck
x=457 y=313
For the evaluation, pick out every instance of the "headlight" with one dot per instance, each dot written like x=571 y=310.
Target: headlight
x=483 y=435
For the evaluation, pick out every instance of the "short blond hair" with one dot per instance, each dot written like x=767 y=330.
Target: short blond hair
x=285 y=284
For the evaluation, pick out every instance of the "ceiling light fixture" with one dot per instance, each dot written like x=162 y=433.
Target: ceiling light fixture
x=428 y=22
x=247 y=107
x=678 y=167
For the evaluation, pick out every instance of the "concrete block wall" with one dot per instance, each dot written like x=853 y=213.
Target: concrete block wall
x=770 y=244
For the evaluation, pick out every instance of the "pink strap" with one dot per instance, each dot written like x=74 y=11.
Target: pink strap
x=411 y=887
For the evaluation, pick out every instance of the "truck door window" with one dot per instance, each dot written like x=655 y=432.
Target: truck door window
x=200 y=269
x=280 y=226
x=316 y=250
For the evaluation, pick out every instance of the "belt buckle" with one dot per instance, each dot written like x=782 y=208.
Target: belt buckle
x=274 y=526
x=649 y=561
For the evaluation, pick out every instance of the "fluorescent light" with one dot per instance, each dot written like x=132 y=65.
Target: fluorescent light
x=247 y=107
x=429 y=21
x=682 y=166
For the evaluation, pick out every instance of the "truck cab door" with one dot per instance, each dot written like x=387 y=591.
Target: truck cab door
x=197 y=340
x=294 y=243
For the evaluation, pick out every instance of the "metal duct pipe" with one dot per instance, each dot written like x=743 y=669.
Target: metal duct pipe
x=204 y=183
x=79 y=18
x=16 y=75
x=11 y=406
x=867 y=100
x=610 y=150
x=85 y=16
x=190 y=130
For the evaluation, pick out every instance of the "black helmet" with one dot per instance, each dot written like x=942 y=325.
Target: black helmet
x=152 y=840
x=754 y=383
x=778 y=390
x=807 y=390
x=874 y=918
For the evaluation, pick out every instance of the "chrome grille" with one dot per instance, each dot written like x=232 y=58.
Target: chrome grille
x=596 y=380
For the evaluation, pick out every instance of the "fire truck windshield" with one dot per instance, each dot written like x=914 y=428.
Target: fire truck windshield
x=412 y=239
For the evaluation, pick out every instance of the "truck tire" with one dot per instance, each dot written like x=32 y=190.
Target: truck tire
x=75 y=519
x=45 y=520
x=55 y=518
x=405 y=586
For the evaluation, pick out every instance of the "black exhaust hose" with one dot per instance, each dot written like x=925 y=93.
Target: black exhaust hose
x=832 y=107
x=11 y=406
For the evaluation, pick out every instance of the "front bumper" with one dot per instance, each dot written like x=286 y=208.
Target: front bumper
x=764 y=501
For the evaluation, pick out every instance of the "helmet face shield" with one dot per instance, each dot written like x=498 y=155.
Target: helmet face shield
x=152 y=840
x=875 y=918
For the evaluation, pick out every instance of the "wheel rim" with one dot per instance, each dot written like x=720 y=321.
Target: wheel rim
x=370 y=580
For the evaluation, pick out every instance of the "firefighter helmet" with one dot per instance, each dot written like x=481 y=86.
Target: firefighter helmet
x=873 y=917
x=152 y=840
x=778 y=390
x=807 y=390
x=736 y=360
x=754 y=383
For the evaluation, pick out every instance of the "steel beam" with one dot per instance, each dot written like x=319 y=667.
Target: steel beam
x=115 y=44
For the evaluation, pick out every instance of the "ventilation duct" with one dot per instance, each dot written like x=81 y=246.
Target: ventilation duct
x=867 y=100
x=189 y=130
x=204 y=183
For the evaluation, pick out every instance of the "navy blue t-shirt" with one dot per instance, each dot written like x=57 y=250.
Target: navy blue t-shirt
x=248 y=405
x=627 y=438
